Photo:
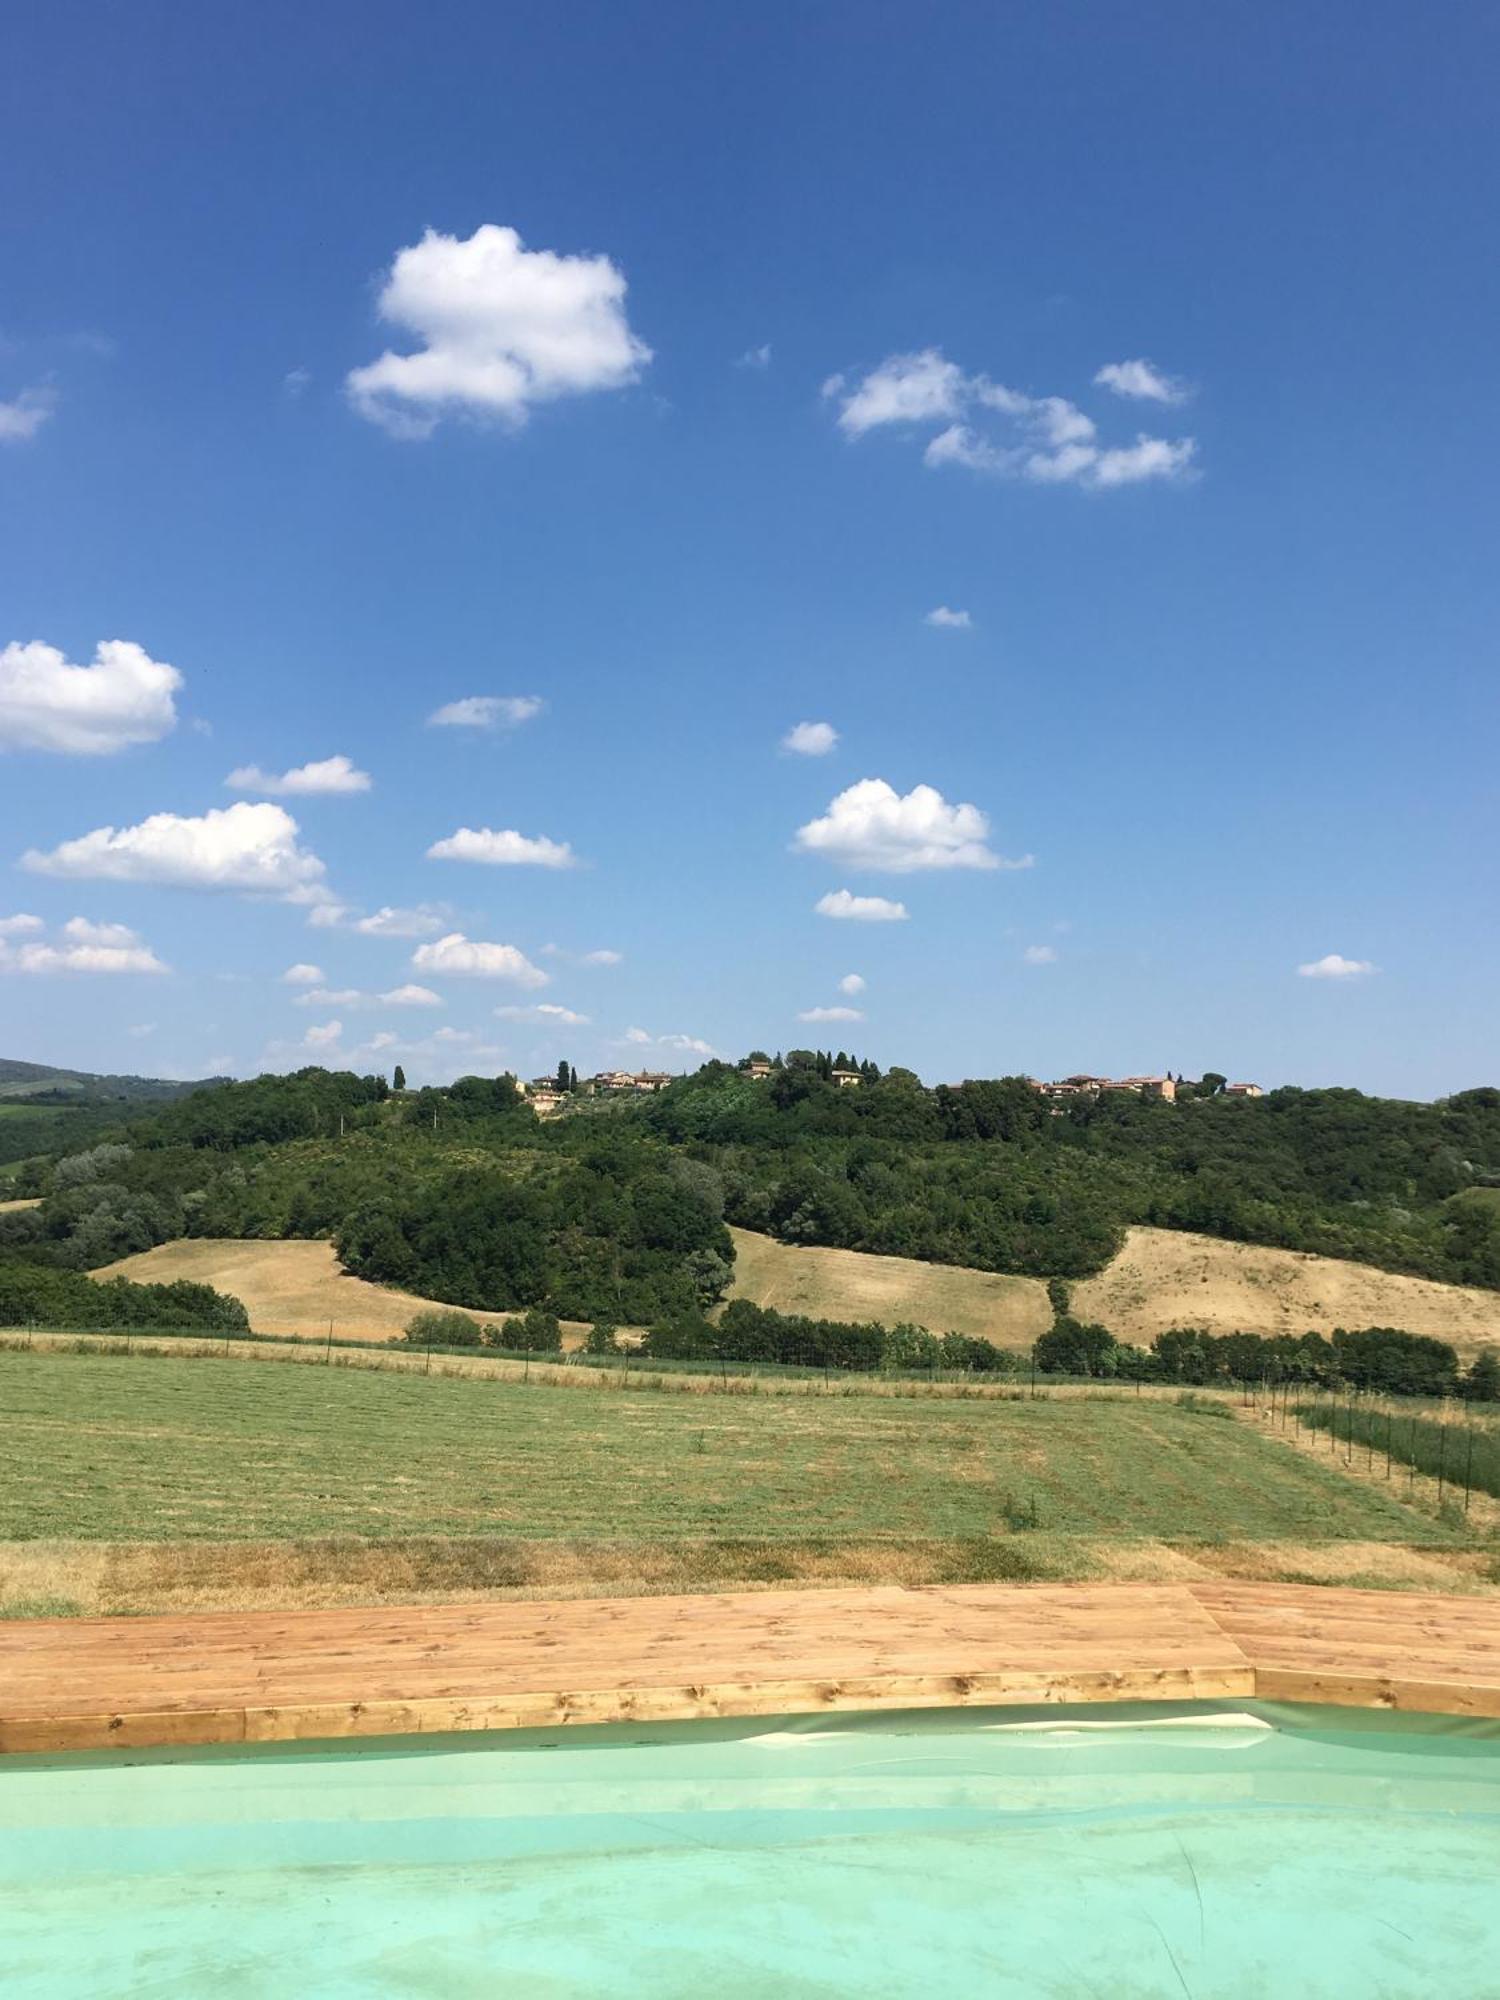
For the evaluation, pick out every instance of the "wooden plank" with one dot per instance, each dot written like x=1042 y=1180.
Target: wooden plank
x=230 y=1677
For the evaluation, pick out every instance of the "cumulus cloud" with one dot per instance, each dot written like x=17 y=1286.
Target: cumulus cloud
x=755 y=357
x=604 y=956
x=23 y=416
x=545 y=1010
x=20 y=925
x=904 y=389
x=951 y=621
x=324 y=1034
x=860 y=909
x=810 y=739
x=487 y=711
x=303 y=974
x=247 y=847
x=504 y=849
x=386 y=922
x=47 y=703
x=84 y=946
x=353 y=996
x=330 y=775
x=872 y=825
x=1334 y=966
x=1047 y=440
x=851 y=983
x=1039 y=954
x=691 y=1045
x=411 y=996
x=470 y=958
x=1142 y=382
x=500 y=329
x=831 y=1014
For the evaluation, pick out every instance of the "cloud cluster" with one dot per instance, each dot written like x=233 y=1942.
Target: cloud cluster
x=47 y=703
x=1047 y=440
x=487 y=711
x=872 y=825
x=501 y=329
x=331 y=775
x=1335 y=966
x=847 y=907
x=460 y=957
x=949 y=621
x=251 y=848
x=503 y=849
x=810 y=739
x=82 y=946
x=23 y=416
x=831 y=1014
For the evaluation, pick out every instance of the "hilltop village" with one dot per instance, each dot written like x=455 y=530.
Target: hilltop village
x=549 y=1094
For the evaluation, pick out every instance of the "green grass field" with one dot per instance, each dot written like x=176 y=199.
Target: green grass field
x=110 y=1449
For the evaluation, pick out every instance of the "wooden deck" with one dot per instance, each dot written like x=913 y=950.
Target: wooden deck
x=84 y=1684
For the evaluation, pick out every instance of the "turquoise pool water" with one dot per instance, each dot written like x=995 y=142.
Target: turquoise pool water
x=1218 y=1851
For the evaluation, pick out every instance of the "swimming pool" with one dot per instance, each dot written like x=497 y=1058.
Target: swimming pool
x=1216 y=1850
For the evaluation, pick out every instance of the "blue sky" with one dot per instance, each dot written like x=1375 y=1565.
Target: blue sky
x=795 y=337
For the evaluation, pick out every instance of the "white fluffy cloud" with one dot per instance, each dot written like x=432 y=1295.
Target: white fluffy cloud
x=487 y=711
x=47 y=703
x=755 y=357
x=329 y=775
x=842 y=904
x=386 y=922
x=353 y=996
x=1142 y=382
x=83 y=946
x=872 y=825
x=831 y=1014
x=501 y=328
x=1039 y=954
x=503 y=849
x=949 y=621
x=303 y=974
x=851 y=983
x=324 y=1034
x=21 y=925
x=904 y=389
x=469 y=958
x=603 y=957
x=1044 y=439
x=23 y=416
x=692 y=1045
x=247 y=847
x=545 y=1010
x=810 y=739
x=1334 y=966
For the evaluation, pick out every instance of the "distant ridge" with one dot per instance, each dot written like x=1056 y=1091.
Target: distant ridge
x=40 y=1083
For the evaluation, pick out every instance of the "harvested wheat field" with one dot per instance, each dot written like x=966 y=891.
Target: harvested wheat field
x=1166 y=1278
x=289 y=1288
x=852 y=1284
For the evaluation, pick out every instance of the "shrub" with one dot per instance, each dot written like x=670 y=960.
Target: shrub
x=443 y=1329
x=536 y=1332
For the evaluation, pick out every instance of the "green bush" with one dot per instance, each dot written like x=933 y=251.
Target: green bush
x=441 y=1328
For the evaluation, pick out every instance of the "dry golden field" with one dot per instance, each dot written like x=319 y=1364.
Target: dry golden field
x=1165 y=1278
x=1161 y=1279
x=289 y=1288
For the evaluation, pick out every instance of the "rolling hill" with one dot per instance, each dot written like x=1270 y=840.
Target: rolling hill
x=1160 y=1280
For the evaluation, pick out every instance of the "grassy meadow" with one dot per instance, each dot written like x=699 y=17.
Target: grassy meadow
x=148 y=1481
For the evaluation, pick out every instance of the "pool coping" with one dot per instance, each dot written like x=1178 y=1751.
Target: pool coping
x=279 y=1676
